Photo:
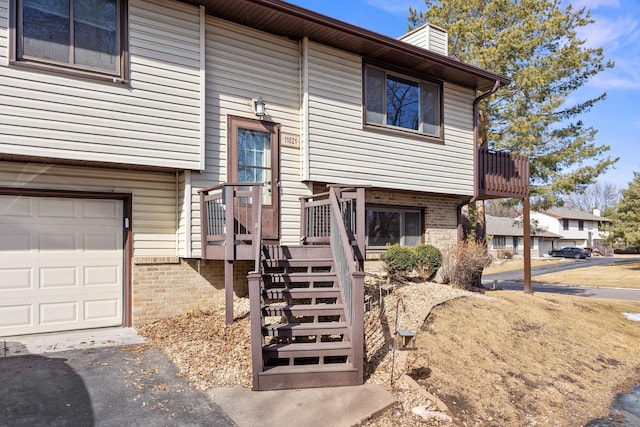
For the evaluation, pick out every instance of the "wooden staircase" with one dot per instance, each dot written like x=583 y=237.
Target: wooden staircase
x=304 y=331
x=306 y=302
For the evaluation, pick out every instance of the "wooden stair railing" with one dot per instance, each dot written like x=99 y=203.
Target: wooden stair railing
x=307 y=308
x=231 y=221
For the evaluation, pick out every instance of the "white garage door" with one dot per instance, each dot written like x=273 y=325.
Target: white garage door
x=61 y=264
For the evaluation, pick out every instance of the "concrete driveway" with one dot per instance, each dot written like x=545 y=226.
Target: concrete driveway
x=129 y=385
x=107 y=378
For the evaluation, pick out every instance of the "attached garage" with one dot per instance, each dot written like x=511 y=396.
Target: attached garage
x=62 y=263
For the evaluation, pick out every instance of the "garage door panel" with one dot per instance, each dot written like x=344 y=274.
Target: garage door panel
x=107 y=275
x=58 y=312
x=15 y=317
x=17 y=207
x=101 y=209
x=104 y=309
x=15 y=279
x=15 y=241
x=61 y=264
x=58 y=277
x=102 y=241
x=54 y=242
x=57 y=208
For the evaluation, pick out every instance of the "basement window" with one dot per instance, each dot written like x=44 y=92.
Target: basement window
x=387 y=226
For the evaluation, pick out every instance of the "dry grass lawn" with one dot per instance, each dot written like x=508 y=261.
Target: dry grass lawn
x=528 y=360
x=616 y=275
x=501 y=266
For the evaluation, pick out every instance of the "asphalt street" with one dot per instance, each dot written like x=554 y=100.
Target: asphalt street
x=513 y=280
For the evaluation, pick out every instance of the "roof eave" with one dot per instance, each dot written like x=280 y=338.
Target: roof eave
x=288 y=20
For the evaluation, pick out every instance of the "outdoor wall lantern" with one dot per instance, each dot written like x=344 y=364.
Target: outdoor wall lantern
x=259 y=107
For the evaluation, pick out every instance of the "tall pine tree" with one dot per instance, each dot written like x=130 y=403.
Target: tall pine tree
x=626 y=215
x=535 y=43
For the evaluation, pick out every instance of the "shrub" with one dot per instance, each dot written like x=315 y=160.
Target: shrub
x=428 y=260
x=399 y=260
x=464 y=262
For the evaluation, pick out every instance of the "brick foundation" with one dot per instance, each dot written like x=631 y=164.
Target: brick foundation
x=169 y=286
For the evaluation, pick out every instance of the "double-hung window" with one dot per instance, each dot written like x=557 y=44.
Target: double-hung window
x=399 y=102
x=83 y=36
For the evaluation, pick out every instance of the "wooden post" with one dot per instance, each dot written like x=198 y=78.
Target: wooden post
x=204 y=225
x=360 y=226
x=526 y=232
x=255 y=309
x=229 y=252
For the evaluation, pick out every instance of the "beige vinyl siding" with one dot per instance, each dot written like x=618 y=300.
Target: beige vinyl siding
x=4 y=30
x=428 y=37
x=154 y=197
x=245 y=64
x=341 y=151
x=155 y=121
x=181 y=212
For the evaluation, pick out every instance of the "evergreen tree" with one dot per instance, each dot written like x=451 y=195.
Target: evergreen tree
x=626 y=216
x=534 y=43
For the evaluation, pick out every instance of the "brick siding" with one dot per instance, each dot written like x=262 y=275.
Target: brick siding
x=169 y=286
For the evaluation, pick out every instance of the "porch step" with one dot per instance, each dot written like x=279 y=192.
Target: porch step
x=304 y=310
x=297 y=350
x=299 y=293
x=304 y=376
x=298 y=262
x=295 y=252
x=298 y=277
x=305 y=329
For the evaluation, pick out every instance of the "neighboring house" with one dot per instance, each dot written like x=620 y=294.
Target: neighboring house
x=126 y=127
x=506 y=237
x=574 y=227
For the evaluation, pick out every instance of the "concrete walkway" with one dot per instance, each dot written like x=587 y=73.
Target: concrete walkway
x=100 y=378
x=312 y=407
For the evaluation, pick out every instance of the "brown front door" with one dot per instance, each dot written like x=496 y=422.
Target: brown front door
x=254 y=157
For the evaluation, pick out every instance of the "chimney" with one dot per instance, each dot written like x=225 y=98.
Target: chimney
x=428 y=37
x=596 y=212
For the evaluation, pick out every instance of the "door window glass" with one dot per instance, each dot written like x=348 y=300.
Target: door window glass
x=254 y=159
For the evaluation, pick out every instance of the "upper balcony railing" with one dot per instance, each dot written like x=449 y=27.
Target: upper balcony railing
x=502 y=174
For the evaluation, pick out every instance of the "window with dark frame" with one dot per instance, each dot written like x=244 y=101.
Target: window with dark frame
x=85 y=36
x=404 y=103
x=565 y=224
x=387 y=226
x=499 y=242
x=580 y=225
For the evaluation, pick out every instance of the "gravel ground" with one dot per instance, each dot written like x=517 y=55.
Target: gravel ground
x=210 y=354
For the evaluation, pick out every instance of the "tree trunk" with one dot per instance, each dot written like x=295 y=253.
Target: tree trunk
x=481 y=223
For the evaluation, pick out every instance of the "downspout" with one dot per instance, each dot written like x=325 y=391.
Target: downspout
x=476 y=136
x=476 y=139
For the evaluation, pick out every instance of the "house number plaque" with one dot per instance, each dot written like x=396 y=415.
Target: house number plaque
x=290 y=140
